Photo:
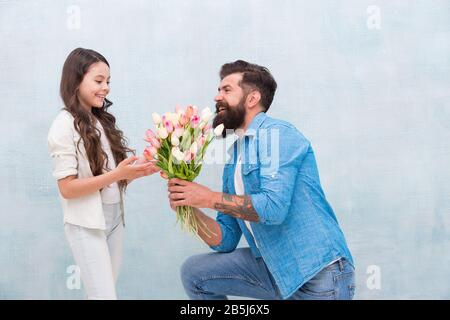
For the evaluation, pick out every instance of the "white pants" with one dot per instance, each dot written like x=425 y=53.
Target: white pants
x=98 y=253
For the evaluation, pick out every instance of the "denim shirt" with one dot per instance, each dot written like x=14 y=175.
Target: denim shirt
x=297 y=234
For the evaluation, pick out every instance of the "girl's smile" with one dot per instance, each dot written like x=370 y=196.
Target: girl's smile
x=94 y=88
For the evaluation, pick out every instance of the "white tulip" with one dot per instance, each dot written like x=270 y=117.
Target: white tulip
x=174 y=140
x=218 y=130
x=174 y=118
x=194 y=148
x=156 y=118
x=206 y=115
x=162 y=133
x=180 y=156
x=177 y=154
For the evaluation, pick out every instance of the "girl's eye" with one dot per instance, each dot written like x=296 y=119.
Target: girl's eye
x=99 y=82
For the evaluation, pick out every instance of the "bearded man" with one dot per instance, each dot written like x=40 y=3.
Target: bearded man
x=272 y=194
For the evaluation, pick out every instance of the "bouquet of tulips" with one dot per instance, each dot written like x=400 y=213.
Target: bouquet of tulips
x=178 y=145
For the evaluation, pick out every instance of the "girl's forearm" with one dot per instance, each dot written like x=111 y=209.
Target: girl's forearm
x=79 y=187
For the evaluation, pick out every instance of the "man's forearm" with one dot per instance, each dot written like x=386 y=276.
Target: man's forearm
x=208 y=228
x=240 y=207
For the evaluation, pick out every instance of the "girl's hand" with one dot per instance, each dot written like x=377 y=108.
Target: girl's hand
x=126 y=170
x=153 y=169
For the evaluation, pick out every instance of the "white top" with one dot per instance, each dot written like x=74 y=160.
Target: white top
x=239 y=188
x=68 y=160
x=110 y=194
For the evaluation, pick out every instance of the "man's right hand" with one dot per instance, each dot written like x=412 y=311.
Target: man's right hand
x=214 y=236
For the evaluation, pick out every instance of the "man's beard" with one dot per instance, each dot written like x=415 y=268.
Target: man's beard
x=232 y=117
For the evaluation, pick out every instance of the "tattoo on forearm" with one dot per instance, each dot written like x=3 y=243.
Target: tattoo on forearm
x=237 y=206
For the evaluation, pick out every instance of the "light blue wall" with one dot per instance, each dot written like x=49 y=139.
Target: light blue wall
x=371 y=94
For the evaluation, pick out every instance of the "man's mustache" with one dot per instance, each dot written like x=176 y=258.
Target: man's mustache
x=221 y=105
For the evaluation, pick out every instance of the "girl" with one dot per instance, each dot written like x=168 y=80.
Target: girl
x=86 y=145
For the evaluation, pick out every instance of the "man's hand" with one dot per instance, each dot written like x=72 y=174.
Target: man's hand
x=185 y=193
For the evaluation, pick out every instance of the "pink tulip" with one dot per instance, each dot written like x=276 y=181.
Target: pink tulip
x=179 y=130
x=188 y=156
x=189 y=112
x=206 y=129
x=183 y=120
x=155 y=143
x=149 y=134
x=169 y=126
x=201 y=141
x=178 y=109
x=147 y=154
x=195 y=120
x=150 y=153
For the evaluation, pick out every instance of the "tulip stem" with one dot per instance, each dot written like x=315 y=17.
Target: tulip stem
x=189 y=221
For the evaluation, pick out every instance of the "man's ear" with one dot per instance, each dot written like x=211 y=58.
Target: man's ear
x=253 y=99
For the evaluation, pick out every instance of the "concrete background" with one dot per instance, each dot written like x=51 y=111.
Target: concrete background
x=366 y=81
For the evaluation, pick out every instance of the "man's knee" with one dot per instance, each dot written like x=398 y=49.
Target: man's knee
x=191 y=269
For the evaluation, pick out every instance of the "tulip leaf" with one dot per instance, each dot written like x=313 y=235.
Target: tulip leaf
x=169 y=166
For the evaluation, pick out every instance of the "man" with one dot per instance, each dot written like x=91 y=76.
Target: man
x=272 y=194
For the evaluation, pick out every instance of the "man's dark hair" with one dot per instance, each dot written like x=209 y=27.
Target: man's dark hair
x=253 y=77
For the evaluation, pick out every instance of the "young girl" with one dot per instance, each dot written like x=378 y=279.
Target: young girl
x=86 y=145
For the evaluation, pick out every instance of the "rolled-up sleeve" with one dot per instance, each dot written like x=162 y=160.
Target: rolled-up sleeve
x=231 y=232
x=62 y=149
x=277 y=184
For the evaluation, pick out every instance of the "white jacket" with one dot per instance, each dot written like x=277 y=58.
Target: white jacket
x=62 y=140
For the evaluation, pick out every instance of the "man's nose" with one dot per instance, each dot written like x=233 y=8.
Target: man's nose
x=218 y=97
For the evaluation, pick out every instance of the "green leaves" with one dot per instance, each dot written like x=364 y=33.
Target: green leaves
x=169 y=165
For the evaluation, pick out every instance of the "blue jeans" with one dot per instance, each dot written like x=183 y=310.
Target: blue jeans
x=214 y=276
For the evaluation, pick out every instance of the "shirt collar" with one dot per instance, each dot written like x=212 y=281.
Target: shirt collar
x=255 y=124
x=252 y=128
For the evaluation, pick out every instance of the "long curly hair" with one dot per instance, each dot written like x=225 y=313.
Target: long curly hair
x=74 y=70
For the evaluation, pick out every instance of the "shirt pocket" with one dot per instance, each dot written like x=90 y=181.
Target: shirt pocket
x=226 y=178
x=251 y=178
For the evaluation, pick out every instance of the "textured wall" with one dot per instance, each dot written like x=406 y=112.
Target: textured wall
x=366 y=81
